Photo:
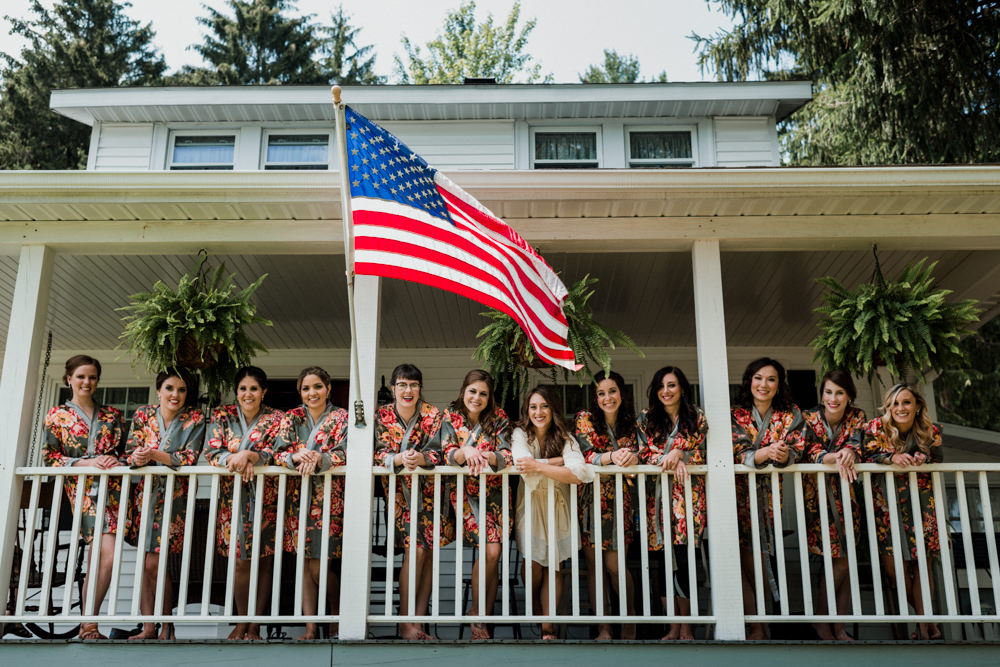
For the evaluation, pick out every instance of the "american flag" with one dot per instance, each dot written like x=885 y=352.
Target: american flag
x=411 y=222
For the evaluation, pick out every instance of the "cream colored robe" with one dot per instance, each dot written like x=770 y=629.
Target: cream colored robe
x=537 y=485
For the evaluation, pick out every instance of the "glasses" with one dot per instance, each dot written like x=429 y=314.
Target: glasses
x=403 y=386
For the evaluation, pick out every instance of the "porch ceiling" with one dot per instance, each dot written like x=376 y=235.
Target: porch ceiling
x=115 y=234
x=769 y=296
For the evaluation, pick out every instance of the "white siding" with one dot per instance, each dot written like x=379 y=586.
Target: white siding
x=746 y=142
x=124 y=147
x=458 y=144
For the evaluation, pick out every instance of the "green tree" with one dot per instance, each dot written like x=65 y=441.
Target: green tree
x=969 y=396
x=617 y=69
x=259 y=43
x=465 y=48
x=75 y=44
x=344 y=61
x=897 y=81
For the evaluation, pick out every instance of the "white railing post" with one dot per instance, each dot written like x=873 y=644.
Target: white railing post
x=713 y=377
x=355 y=575
x=19 y=387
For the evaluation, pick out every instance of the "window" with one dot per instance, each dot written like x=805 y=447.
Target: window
x=297 y=151
x=659 y=148
x=565 y=149
x=202 y=151
x=126 y=399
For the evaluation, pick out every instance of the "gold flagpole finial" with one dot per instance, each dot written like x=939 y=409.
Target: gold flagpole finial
x=336 y=94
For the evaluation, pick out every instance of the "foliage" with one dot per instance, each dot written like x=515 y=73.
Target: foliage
x=905 y=324
x=506 y=350
x=467 y=49
x=345 y=62
x=617 y=68
x=208 y=313
x=969 y=394
x=75 y=44
x=258 y=44
x=897 y=82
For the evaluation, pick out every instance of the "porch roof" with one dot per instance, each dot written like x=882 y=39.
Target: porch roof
x=779 y=228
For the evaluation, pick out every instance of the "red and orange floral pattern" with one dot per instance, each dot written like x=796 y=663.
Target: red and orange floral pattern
x=224 y=437
x=67 y=435
x=878 y=449
x=330 y=440
x=455 y=434
x=183 y=441
x=425 y=438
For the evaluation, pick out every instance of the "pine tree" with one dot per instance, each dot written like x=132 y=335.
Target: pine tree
x=897 y=81
x=75 y=44
x=347 y=63
x=617 y=68
x=259 y=43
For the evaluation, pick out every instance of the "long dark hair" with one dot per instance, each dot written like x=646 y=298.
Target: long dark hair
x=659 y=421
x=782 y=400
x=558 y=432
x=488 y=416
x=626 y=411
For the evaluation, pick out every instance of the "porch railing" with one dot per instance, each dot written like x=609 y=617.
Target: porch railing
x=967 y=568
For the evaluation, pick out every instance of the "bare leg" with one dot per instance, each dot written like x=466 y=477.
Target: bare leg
x=492 y=575
x=611 y=569
x=603 y=629
x=310 y=596
x=263 y=595
x=548 y=629
x=147 y=597
x=755 y=631
x=333 y=600
x=242 y=594
x=842 y=588
x=415 y=557
x=911 y=577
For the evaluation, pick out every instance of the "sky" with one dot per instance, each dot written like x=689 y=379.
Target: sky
x=569 y=36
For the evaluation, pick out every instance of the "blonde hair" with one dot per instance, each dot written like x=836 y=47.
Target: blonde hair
x=923 y=429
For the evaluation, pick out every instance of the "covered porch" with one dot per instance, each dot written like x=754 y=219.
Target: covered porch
x=705 y=269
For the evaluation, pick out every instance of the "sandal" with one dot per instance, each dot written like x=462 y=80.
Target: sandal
x=89 y=631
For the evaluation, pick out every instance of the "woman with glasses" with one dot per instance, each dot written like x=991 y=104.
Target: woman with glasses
x=407 y=437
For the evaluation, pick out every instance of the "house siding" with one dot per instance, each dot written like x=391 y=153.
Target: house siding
x=746 y=142
x=123 y=147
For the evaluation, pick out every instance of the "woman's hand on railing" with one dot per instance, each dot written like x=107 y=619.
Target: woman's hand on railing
x=242 y=463
x=412 y=459
x=306 y=461
x=624 y=457
x=526 y=464
x=845 y=463
x=477 y=461
x=103 y=461
x=674 y=460
x=903 y=459
x=777 y=452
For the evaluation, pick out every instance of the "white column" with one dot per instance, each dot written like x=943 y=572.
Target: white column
x=355 y=577
x=713 y=376
x=19 y=387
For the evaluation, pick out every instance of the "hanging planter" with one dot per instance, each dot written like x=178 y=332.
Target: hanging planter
x=199 y=325
x=507 y=352
x=904 y=324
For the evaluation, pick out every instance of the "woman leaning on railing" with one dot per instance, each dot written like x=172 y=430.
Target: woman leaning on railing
x=82 y=432
x=904 y=436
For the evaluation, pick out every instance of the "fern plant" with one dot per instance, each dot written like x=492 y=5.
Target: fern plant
x=507 y=352
x=905 y=325
x=199 y=325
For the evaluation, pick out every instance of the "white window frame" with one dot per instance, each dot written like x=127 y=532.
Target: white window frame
x=209 y=166
x=283 y=166
x=639 y=163
x=566 y=129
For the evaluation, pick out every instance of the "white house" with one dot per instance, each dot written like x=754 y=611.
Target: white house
x=672 y=195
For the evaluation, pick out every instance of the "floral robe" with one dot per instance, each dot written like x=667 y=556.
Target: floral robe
x=456 y=433
x=183 y=440
x=328 y=436
x=818 y=441
x=423 y=433
x=69 y=437
x=593 y=444
x=657 y=446
x=782 y=425
x=878 y=449
x=229 y=433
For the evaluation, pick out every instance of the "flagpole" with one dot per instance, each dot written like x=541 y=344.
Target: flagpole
x=346 y=216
